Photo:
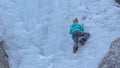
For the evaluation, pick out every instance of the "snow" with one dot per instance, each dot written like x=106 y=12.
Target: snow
x=36 y=32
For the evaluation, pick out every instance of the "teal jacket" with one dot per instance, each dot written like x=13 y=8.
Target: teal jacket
x=76 y=26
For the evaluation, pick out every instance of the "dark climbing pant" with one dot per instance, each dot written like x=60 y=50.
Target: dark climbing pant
x=77 y=35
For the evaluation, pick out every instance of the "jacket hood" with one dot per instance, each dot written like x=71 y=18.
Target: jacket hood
x=74 y=24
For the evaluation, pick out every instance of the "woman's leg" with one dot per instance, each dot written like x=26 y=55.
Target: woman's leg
x=85 y=37
x=75 y=39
